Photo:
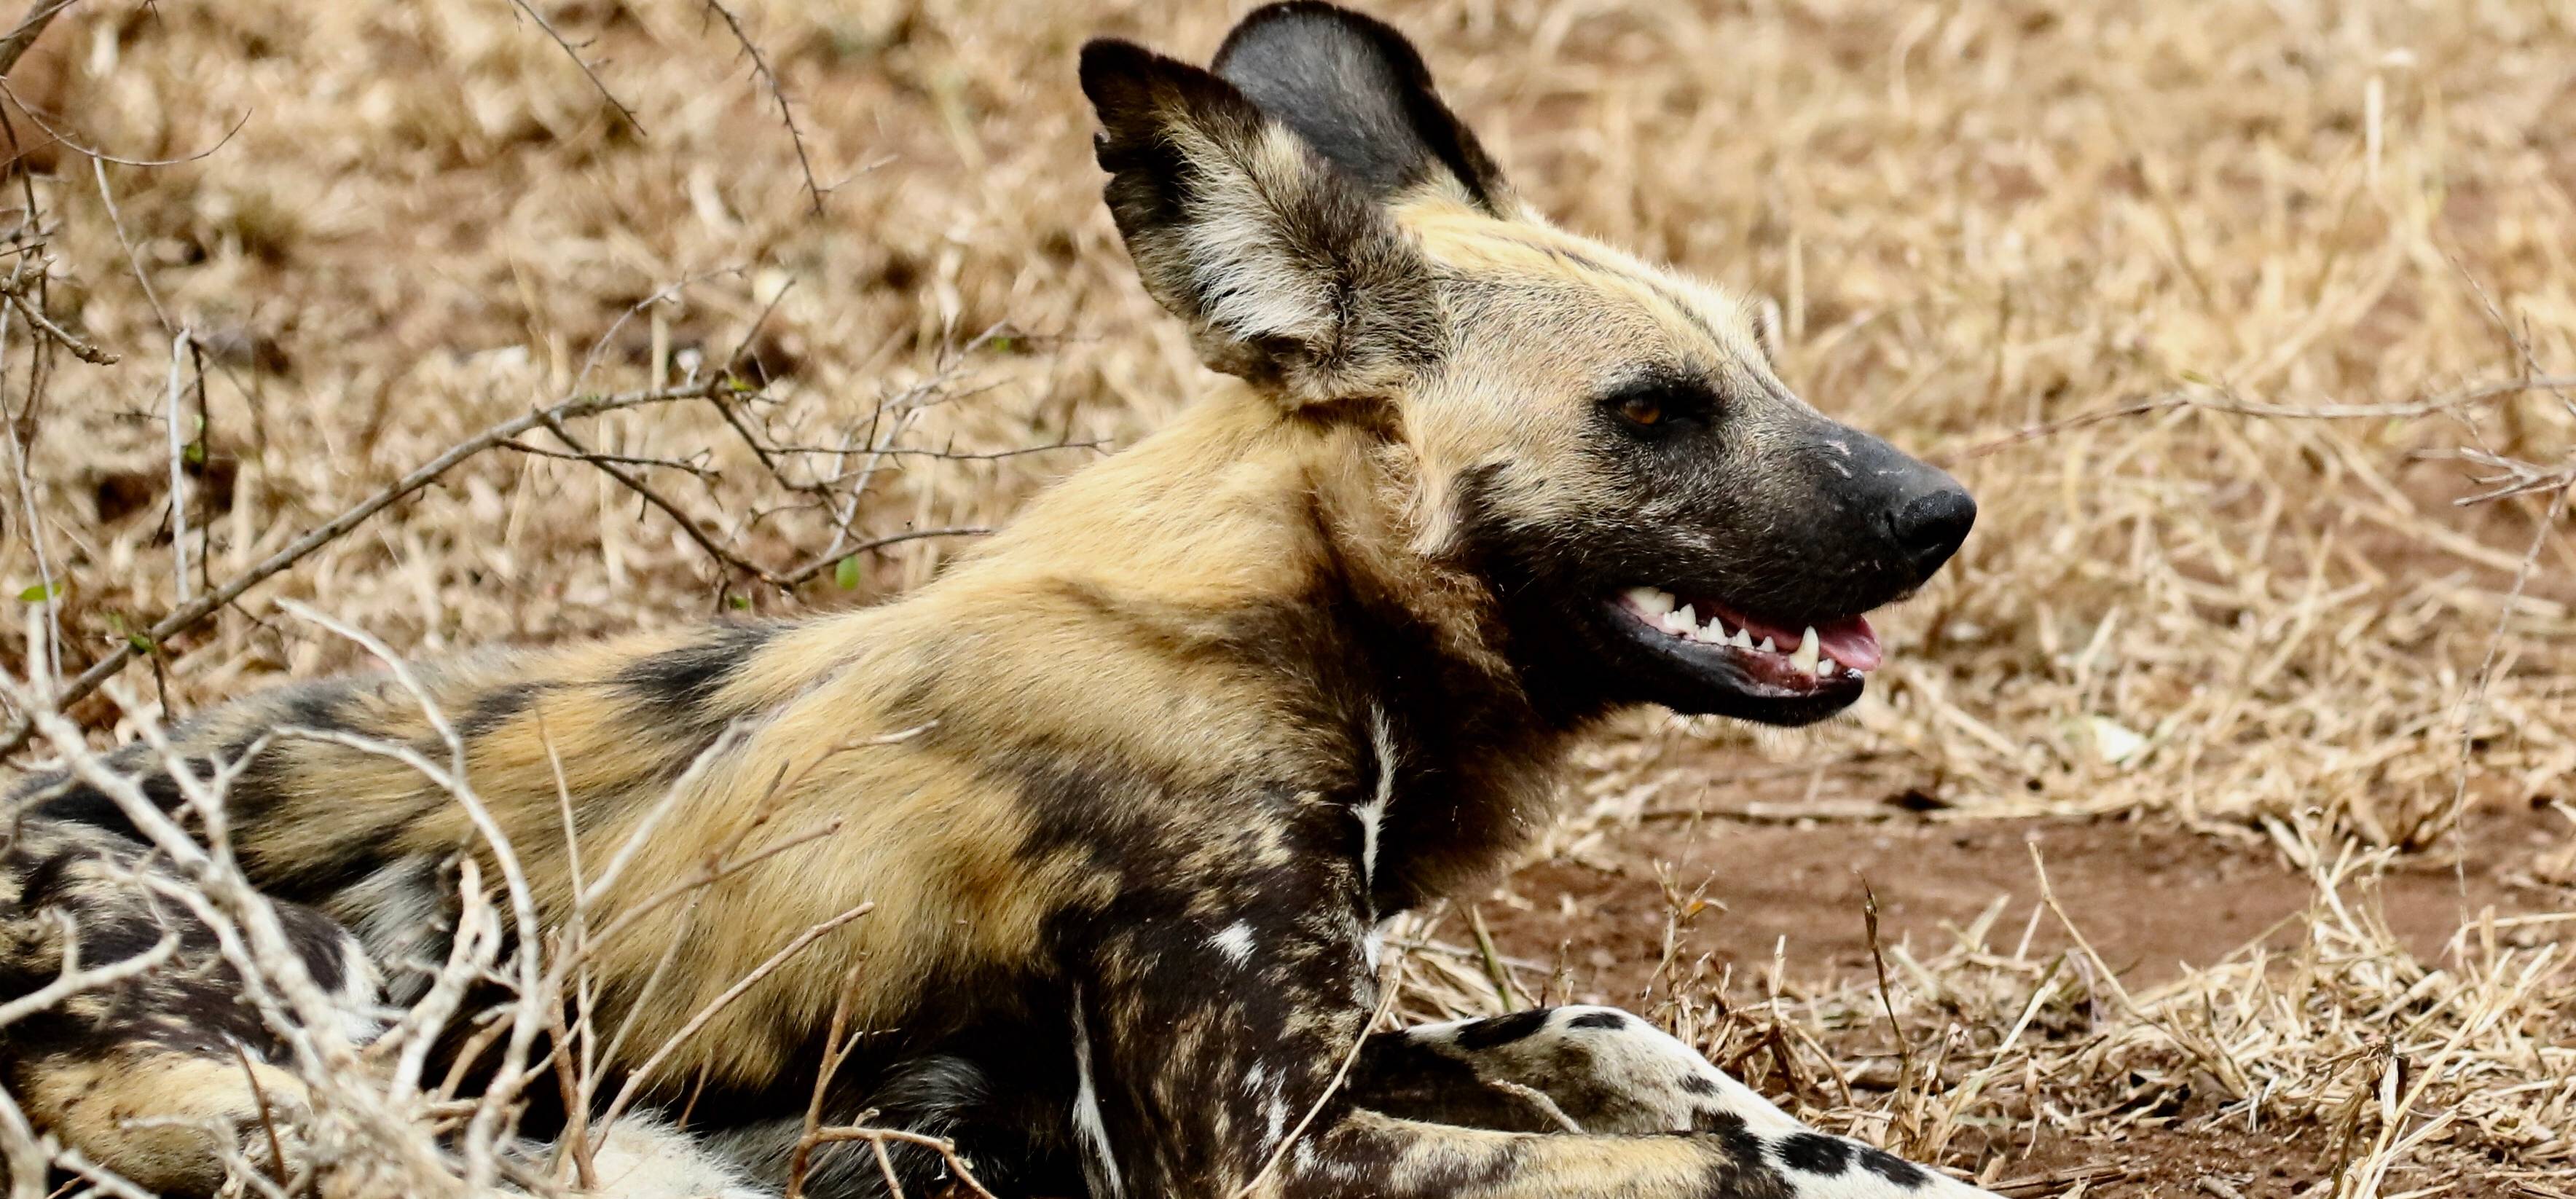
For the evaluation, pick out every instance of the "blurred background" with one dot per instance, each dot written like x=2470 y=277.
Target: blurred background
x=2211 y=830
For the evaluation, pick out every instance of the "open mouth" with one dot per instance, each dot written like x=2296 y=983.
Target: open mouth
x=1808 y=660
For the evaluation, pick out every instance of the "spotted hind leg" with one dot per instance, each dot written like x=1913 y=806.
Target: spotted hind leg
x=161 y=1074
x=1599 y=1070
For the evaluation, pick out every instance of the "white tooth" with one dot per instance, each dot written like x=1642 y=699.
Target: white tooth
x=1653 y=601
x=1743 y=639
x=1709 y=634
x=1825 y=669
x=1805 y=657
x=1767 y=647
x=1681 y=620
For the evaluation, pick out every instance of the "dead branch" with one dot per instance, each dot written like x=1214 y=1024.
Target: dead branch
x=777 y=93
x=714 y=1007
x=30 y=27
x=881 y=1137
x=187 y=615
x=643 y=490
x=15 y=292
x=623 y=112
x=58 y=136
x=2446 y=402
x=73 y=978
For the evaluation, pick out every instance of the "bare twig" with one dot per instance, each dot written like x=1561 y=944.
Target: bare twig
x=189 y=614
x=623 y=112
x=14 y=45
x=133 y=258
x=777 y=93
x=94 y=152
x=17 y=298
x=73 y=979
x=688 y=524
x=643 y=1073
x=178 y=475
x=2194 y=399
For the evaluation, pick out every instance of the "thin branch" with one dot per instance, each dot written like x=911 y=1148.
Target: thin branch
x=116 y=221
x=63 y=138
x=687 y=523
x=73 y=979
x=635 y=1082
x=806 y=572
x=30 y=27
x=623 y=112
x=178 y=476
x=323 y=534
x=538 y=451
x=2184 y=399
x=44 y=324
x=881 y=1137
x=760 y=67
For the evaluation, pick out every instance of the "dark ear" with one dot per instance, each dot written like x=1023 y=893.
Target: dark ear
x=1288 y=272
x=1356 y=90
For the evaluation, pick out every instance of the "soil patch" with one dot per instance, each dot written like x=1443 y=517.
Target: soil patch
x=2151 y=897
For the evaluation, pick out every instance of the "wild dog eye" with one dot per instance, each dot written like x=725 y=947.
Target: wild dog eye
x=1658 y=408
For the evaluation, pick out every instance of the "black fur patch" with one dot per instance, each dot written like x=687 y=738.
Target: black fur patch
x=1358 y=92
x=1405 y=1077
x=497 y=707
x=676 y=684
x=1502 y=1030
x=1608 y=1020
x=1817 y=1154
x=1893 y=1168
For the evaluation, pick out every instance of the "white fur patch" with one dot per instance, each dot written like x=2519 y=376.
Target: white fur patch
x=1235 y=942
x=644 y=1158
x=1373 y=813
x=1099 y=1164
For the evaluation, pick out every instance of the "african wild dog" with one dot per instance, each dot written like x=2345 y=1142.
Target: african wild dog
x=1181 y=738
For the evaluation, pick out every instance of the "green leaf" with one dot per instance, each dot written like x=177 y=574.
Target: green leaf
x=846 y=573
x=141 y=643
x=40 y=592
x=195 y=454
x=741 y=603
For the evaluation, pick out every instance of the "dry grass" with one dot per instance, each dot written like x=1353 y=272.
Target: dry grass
x=2266 y=276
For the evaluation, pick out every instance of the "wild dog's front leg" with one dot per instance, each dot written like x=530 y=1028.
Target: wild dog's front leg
x=1599 y=1070
x=1206 y=1031
x=1579 y=1068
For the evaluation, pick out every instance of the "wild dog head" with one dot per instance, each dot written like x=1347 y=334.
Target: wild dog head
x=1605 y=442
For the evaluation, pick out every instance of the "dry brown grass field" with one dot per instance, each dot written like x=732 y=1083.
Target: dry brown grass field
x=2211 y=831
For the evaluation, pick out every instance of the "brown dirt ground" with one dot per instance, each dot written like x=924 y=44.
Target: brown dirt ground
x=2152 y=898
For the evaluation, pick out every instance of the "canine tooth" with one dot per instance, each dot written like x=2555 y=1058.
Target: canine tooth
x=1653 y=601
x=1681 y=620
x=1743 y=639
x=1805 y=657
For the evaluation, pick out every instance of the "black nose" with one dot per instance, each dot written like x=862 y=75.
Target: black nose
x=1928 y=528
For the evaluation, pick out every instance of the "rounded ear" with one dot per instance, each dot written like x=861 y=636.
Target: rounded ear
x=1357 y=91
x=1288 y=272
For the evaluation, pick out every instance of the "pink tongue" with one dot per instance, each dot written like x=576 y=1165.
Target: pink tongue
x=1849 y=641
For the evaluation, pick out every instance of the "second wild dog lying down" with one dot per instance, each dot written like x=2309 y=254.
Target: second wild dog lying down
x=1183 y=737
